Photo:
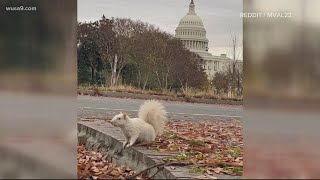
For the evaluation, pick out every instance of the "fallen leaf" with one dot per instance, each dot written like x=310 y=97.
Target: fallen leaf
x=218 y=170
x=115 y=173
x=209 y=172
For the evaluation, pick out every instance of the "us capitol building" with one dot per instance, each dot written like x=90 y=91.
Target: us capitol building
x=192 y=33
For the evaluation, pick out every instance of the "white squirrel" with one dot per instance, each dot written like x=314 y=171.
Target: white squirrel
x=151 y=120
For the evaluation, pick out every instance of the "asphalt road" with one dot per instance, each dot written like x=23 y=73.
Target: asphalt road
x=99 y=105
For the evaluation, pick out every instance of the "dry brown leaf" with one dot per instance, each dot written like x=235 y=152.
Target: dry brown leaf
x=218 y=170
x=115 y=173
x=209 y=172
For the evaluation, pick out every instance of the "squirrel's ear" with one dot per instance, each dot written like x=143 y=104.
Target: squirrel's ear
x=124 y=115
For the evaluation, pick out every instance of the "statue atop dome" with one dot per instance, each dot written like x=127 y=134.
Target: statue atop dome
x=191 y=7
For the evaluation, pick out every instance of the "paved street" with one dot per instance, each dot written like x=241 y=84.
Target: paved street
x=89 y=106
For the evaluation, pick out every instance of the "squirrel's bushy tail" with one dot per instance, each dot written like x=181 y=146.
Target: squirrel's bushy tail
x=153 y=112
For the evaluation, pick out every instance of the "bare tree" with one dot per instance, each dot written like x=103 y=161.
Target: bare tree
x=152 y=56
x=234 y=70
x=107 y=47
x=231 y=80
x=235 y=46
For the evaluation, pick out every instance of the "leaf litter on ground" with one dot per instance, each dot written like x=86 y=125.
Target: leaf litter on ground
x=93 y=164
x=214 y=146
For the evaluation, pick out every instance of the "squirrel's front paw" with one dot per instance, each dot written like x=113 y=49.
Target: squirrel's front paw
x=129 y=145
x=124 y=144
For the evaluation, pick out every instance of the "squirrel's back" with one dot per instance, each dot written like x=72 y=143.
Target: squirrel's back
x=153 y=112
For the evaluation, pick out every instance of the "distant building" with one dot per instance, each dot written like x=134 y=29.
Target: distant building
x=192 y=33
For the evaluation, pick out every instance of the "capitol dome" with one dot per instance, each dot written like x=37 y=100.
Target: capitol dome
x=191 y=20
x=191 y=31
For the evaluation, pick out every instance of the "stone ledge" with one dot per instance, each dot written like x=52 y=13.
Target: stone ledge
x=160 y=97
x=99 y=136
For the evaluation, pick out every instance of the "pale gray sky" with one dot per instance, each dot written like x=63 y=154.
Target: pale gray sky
x=220 y=17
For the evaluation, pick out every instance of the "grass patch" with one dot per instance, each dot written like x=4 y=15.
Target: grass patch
x=189 y=93
x=182 y=157
x=208 y=94
x=174 y=148
x=235 y=153
x=169 y=135
x=197 y=170
x=179 y=157
x=196 y=143
x=200 y=156
x=235 y=170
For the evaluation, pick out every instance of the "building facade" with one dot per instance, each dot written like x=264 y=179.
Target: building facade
x=192 y=33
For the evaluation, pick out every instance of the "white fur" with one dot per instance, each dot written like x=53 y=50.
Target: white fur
x=151 y=122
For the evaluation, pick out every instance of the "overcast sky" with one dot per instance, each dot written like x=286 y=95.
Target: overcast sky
x=220 y=17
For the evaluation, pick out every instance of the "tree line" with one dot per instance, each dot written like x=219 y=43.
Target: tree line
x=124 y=51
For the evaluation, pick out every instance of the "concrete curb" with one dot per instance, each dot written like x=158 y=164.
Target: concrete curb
x=160 y=97
x=107 y=139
